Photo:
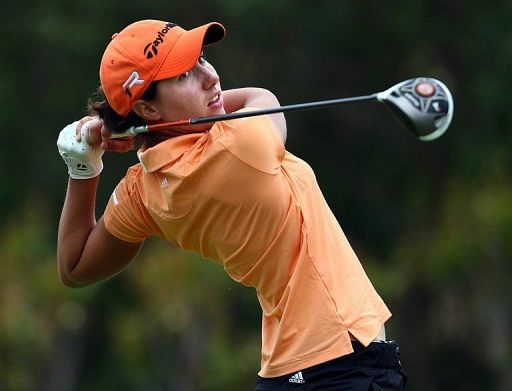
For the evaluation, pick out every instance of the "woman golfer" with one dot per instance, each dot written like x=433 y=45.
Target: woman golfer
x=230 y=192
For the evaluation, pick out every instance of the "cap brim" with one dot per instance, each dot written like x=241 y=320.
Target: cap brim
x=187 y=49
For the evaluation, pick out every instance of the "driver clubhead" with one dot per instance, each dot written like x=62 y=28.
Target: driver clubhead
x=423 y=105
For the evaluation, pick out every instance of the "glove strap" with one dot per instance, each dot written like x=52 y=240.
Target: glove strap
x=81 y=169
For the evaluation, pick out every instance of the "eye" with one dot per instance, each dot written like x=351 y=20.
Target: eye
x=202 y=59
x=184 y=75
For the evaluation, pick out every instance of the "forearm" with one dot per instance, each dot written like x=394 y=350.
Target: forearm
x=76 y=223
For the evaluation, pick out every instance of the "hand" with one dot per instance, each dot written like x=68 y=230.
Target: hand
x=101 y=135
x=125 y=144
x=79 y=146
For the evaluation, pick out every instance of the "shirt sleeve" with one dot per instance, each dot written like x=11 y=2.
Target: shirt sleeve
x=255 y=142
x=125 y=216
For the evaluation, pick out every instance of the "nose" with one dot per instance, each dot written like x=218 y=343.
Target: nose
x=210 y=77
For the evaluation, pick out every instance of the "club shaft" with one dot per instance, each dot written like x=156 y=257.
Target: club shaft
x=244 y=114
x=281 y=109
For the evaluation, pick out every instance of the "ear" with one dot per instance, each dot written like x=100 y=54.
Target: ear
x=146 y=110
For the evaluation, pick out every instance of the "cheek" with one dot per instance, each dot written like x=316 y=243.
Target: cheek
x=176 y=108
x=180 y=102
x=187 y=101
x=168 y=104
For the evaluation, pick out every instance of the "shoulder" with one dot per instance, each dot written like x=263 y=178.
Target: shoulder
x=257 y=98
x=254 y=141
x=266 y=99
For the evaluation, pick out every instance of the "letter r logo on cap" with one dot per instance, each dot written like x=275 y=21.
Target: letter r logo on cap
x=130 y=82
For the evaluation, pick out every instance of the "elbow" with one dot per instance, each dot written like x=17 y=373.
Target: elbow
x=69 y=282
x=66 y=278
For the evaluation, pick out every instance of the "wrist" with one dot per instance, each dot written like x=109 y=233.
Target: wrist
x=82 y=169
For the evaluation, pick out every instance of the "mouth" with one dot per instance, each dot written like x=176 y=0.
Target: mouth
x=215 y=99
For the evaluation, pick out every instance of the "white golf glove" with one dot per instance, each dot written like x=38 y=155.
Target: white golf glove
x=83 y=159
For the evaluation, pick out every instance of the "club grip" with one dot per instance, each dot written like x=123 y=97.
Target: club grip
x=130 y=132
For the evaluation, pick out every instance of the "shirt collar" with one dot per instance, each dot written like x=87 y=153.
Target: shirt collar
x=168 y=151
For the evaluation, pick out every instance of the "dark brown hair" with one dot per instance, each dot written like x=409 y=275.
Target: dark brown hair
x=98 y=105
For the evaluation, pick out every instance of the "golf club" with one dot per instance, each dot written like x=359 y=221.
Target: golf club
x=423 y=106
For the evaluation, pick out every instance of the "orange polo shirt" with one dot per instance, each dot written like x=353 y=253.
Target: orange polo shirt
x=235 y=196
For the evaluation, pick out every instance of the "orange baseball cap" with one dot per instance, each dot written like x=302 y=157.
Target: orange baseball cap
x=150 y=50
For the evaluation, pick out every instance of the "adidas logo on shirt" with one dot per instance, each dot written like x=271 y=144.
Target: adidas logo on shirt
x=297 y=378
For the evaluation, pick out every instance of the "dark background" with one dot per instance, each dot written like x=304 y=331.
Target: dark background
x=431 y=222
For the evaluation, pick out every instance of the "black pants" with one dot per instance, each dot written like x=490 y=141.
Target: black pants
x=374 y=368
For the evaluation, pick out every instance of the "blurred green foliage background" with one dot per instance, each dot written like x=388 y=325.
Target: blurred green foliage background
x=432 y=222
